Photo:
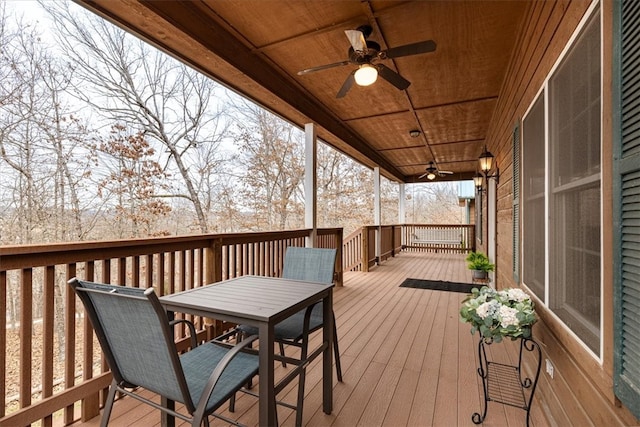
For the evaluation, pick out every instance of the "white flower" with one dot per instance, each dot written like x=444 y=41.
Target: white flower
x=483 y=310
x=508 y=316
x=516 y=294
x=489 y=308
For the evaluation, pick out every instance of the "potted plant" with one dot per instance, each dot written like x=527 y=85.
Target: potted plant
x=479 y=265
x=497 y=314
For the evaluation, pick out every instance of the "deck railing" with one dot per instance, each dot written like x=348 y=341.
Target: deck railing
x=360 y=252
x=51 y=361
x=439 y=237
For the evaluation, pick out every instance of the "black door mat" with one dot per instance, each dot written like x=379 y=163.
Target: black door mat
x=438 y=285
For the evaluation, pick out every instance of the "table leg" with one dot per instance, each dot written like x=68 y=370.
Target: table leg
x=167 y=420
x=327 y=355
x=266 y=385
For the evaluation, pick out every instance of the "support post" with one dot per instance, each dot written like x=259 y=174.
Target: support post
x=377 y=212
x=310 y=183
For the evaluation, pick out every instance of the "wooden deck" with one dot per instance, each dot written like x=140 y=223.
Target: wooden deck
x=406 y=358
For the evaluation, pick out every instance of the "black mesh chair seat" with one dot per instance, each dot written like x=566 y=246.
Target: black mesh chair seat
x=290 y=328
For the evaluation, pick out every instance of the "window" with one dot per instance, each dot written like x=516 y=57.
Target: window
x=574 y=147
x=561 y=189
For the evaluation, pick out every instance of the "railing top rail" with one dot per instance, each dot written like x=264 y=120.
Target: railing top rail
x=441 y=225
x=22 y=256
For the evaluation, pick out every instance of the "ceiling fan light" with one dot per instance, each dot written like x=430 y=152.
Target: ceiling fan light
x=366 y=75
x=431 y=176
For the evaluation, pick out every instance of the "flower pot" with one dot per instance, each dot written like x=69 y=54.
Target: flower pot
x=479 y=275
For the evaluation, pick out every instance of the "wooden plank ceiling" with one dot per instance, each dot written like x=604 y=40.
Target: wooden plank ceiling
x=257 y=47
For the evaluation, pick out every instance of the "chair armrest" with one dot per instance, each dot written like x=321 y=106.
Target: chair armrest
x=307 y=319
x=192 y=330
x=217 y=373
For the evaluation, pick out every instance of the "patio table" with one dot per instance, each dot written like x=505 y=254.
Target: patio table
x=263 y=302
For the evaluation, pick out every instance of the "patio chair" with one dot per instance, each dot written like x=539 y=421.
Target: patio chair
x=312 y=265
x=137 y=340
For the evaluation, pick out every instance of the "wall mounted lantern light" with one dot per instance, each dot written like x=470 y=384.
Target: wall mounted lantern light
x=485 y=161
x=477 y=181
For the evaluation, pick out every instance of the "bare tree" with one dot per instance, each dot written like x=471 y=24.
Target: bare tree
x=130 y=82
x=433 y=203
x=272 y=153
x=345 y=191
x=23 y=147
x=68 y=137
x=39 y=133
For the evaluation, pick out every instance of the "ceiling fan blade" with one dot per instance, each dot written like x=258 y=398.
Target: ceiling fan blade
x=409 y=49
x=346 y=85
x=323 y=67
x=423 y=175
x=392 y=77
x=446 y=172
x=357 y=40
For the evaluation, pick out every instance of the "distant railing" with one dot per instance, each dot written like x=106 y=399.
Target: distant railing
x=359 y=248
x=352 y=250
x=45 y=334
x=453 y=238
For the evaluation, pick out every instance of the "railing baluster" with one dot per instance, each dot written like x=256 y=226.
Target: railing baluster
x=48 y=321
x=90 y=404
x=172 y=272
x=161 y=282
x=26 y=332
x=69 y=341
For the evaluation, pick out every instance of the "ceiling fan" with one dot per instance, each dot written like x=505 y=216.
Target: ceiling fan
x=432 y=171
x=366 y=54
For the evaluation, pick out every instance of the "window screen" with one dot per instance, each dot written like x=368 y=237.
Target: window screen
x=574 y=209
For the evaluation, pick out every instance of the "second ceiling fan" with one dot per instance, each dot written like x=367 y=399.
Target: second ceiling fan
x=432 y=171
x=366 y=54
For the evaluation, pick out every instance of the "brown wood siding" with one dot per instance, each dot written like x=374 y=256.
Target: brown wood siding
x=581 y=391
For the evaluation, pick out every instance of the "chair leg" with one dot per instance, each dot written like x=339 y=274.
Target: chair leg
x=232 y=403
x=239 y=337
x=284 y=364
x=300 y=397
x=301 y=382
x=106 y=414
x=232 y=399
x=336 y=351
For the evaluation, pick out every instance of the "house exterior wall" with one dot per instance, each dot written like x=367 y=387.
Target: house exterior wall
x=581 y=391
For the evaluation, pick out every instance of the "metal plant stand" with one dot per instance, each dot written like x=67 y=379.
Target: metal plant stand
x=507 y=384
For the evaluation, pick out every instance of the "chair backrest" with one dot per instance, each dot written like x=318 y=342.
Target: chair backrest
x=135 y=336
x=310 y=264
